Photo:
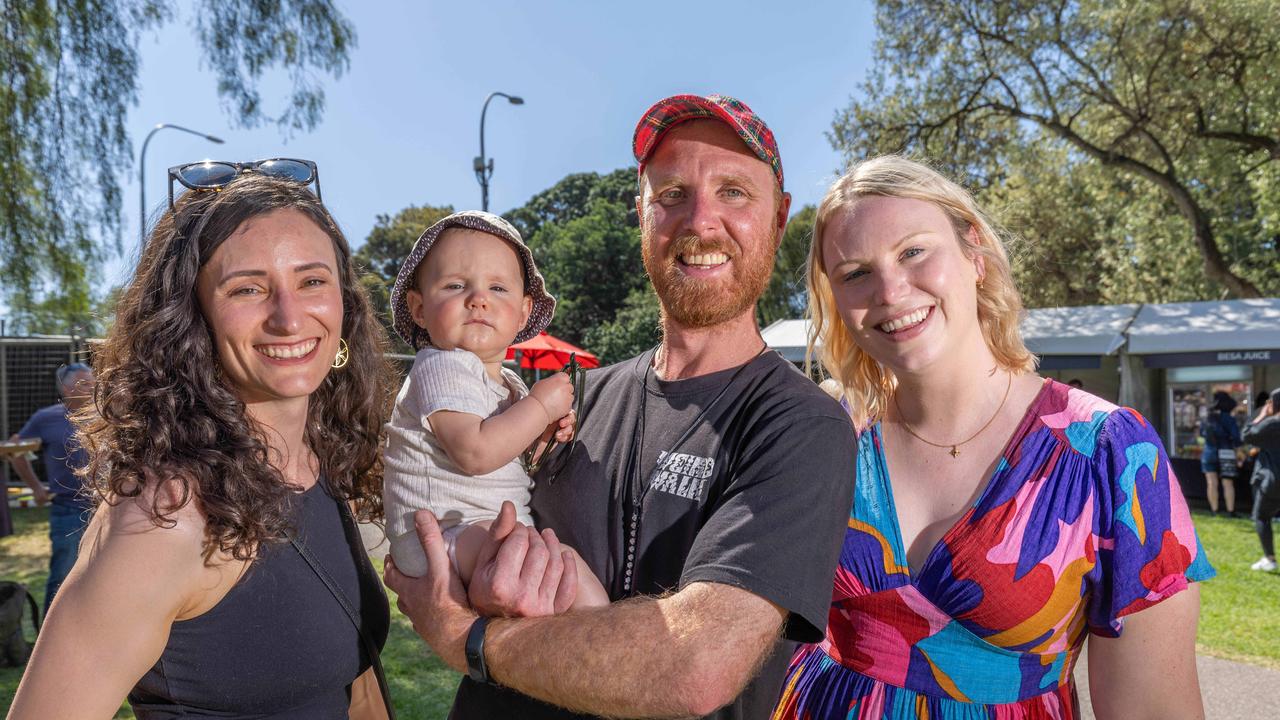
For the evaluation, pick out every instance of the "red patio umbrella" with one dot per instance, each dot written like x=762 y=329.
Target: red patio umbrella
x=548 y=352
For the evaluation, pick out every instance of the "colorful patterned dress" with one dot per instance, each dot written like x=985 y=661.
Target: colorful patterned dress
x=1081 y=523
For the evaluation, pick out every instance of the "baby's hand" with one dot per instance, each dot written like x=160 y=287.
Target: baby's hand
x=555 y=392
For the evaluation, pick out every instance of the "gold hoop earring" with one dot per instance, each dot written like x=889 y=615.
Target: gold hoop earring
x=344 y=354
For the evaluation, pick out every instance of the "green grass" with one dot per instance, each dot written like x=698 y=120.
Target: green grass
x=1238 y=618
x=1238 y=608
x=422 y=687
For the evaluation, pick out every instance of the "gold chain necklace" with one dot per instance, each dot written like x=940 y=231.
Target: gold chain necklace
x=955 y=451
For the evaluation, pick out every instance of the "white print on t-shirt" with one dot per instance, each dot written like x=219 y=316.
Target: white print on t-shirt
x=682 y=474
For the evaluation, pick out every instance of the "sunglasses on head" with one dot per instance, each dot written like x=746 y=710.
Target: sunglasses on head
x=213 y=175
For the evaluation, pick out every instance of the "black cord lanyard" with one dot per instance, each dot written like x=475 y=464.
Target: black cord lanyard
x=637 y=490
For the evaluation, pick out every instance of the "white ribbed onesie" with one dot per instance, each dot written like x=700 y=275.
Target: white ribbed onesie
x=417 y=471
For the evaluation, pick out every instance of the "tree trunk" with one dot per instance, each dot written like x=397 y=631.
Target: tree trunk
x=1215 y=266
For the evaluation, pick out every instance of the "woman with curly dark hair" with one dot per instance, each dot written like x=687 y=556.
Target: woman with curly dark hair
x=239 y=409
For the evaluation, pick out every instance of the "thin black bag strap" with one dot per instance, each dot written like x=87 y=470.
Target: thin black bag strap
x=370 y=647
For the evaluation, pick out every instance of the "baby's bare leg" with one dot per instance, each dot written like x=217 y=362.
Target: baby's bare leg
x=591 y=594
x=466 y=548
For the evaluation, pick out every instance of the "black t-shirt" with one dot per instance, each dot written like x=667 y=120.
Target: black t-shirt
x=754 y=491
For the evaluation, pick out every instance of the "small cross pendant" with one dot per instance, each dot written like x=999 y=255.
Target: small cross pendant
x=954 y=451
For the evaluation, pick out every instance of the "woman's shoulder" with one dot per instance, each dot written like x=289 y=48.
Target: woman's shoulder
x=1081 y=404
x=1085 y=421
x=159 y=519
x=152 y=540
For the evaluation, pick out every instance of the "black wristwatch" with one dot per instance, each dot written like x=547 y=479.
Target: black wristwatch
x=474 y=650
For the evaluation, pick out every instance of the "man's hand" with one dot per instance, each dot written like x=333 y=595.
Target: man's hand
x=435 y=603
x=22 y=465
x=1264 y=412
x=562 y=429
x=521 y=572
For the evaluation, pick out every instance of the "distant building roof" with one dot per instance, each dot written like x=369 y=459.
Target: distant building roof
x=788 y=337
x=1206 y=326
x=1081 y=330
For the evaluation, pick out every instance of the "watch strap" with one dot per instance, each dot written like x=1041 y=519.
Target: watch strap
x=477 y=670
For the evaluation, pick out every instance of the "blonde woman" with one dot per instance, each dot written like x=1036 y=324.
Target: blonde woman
x=999 y=518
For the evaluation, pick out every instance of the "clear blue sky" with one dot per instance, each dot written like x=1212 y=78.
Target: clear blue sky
x=401 y=126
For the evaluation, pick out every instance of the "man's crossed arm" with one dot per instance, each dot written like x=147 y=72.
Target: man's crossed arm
x=684 y=654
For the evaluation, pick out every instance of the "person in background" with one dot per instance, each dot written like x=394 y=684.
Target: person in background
x=1264 y=434
x=1076 y=383
x=1249 y=453
x=1220 y=432
x=63 y=456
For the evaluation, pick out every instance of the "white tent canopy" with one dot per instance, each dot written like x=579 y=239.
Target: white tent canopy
x=1206 y=327
x=788 y=337
x=1083 y=330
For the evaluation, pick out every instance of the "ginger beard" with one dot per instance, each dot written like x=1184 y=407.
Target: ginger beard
x=704 y=302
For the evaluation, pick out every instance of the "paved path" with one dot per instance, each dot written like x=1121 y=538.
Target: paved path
x=1231 y=690
x=375 y=541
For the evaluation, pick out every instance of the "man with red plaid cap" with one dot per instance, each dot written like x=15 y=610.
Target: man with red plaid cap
x=708 y=486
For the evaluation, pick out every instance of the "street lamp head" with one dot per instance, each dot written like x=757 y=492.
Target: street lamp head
x=142 y=169
x=482 y=168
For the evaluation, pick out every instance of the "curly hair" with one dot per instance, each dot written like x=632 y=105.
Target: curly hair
x=165 y=415
x=868 y=385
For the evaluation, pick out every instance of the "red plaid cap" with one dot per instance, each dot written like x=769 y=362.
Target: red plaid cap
x=666 y=114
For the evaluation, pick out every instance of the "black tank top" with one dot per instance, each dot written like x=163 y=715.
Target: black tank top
x=278 y=645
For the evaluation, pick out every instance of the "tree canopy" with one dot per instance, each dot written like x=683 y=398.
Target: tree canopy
x=70 y=75
x=571 y=198
x=592 y=264
x=786 y=296
x=585 y=236
x=382 y=253
x=1133 y=144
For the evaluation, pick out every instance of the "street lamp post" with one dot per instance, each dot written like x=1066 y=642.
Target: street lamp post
x=484 y=166
x=142 y=171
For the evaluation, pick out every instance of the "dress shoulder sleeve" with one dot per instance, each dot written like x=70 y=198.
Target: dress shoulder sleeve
x=1147 y=548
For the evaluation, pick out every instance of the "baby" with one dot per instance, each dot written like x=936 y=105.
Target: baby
x=461 y=423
